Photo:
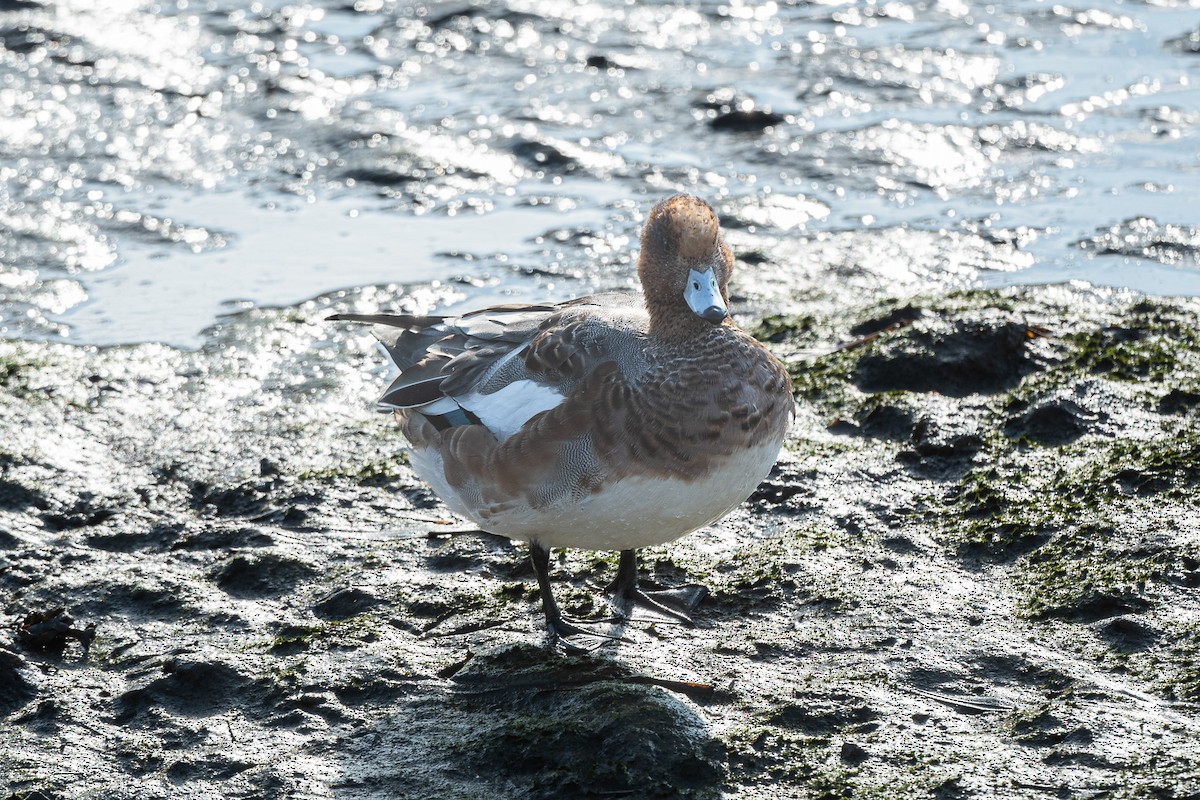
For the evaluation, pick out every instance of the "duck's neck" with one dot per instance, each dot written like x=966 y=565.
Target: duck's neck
x=676 y=326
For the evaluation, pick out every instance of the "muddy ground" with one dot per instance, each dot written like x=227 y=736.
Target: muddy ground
x=975 y=572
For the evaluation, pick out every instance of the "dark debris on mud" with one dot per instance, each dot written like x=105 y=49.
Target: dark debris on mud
x=973 y=572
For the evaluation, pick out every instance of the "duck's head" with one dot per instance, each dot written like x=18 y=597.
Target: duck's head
x=684 y=265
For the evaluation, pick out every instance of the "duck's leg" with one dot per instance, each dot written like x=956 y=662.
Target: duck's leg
x=673 y=603
x=560 y=628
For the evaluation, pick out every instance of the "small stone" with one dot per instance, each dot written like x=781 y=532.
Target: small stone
x=853 y=754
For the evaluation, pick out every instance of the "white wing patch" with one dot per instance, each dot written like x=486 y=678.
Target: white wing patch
x=503 y=412
x=443 y=405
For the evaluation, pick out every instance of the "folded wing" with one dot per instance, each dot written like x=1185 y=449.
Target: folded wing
x=498 y=366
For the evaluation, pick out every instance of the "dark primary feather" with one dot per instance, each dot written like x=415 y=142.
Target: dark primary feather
x=442 y=356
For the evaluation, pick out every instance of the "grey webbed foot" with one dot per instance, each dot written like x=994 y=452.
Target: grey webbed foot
x=574 y=639
x=673 y=603
x=567 y=633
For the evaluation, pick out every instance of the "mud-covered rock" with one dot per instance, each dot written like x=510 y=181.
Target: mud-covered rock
x=187 y=687
x=952 y=357
x=51 y=630
x=894 y=319
x=345 y=603
x=16 y=689
x=942 y=440
x=1055 y=422
x=1187 y=43
x=260 y=574
x=887 y=421
x=15 y=495
x=1178 y=401
x=583 y=727
x=1126 y=634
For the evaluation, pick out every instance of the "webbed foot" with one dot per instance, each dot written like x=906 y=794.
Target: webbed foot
x=575 y=639
x=673 y=602
x=567 y=633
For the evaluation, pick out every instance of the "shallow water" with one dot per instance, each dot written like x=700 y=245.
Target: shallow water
x=161 y=165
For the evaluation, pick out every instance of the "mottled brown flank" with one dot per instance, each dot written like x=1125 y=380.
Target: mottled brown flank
x=686 y=415
x=679 y=421
x=703 y=392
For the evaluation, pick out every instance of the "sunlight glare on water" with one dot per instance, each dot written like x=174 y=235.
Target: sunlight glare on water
x=163 y=160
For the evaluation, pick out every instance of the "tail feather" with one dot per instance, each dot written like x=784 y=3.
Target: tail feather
x=406 y=337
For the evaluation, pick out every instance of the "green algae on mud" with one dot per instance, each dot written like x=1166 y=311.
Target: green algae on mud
x=1091 y=523
x=971 y=583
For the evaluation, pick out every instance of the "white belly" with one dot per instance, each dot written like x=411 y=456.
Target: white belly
x=628 y=513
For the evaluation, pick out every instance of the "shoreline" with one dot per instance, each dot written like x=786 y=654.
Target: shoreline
x=973 y=570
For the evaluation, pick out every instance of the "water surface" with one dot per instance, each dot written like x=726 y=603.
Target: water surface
x=162 y=164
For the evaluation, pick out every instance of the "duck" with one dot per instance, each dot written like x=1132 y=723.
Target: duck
x=611 y=422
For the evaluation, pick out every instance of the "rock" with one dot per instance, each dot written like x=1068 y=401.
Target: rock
x=345 y=603
x=260 y=575
x=746 y=121
x=1126 y=634
x=578 y=727
x=1178 y=401
x=1056 y=422
x=16 y=690
x=898 y=317
x=952 y=357
x=853 y=754
x=194 y=688
x=50 y=631
x=1143 y=237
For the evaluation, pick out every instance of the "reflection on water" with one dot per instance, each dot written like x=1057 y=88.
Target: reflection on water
x=160 y=160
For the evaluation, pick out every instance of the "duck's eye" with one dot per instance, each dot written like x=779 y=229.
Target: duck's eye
x=696 y=285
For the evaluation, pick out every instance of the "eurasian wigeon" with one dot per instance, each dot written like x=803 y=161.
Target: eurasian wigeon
x=609 y=422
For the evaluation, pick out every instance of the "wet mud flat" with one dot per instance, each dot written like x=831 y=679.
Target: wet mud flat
x=975 y=572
